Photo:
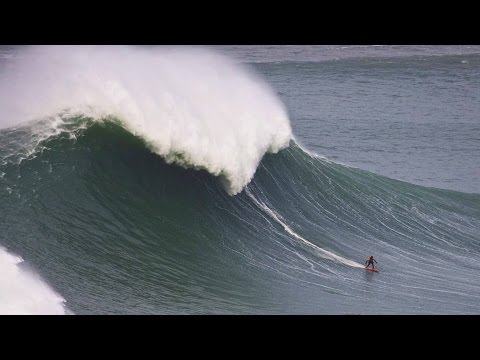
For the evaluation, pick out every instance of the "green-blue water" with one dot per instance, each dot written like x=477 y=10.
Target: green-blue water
x=384 y=161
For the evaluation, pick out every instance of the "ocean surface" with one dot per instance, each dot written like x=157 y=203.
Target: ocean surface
x=239 y=179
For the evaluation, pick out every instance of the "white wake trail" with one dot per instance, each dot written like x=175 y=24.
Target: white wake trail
x=318 y=250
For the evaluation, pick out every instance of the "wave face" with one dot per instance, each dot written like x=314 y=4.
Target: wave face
x=192 y=106
x=167 y=181
x=116 y=229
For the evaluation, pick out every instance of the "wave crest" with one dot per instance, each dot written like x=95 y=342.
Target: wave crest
x=192 y=106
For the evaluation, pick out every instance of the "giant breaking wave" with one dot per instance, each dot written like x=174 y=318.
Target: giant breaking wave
x=192 y=106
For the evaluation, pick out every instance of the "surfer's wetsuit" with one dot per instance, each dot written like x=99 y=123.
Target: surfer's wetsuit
x=370 y=261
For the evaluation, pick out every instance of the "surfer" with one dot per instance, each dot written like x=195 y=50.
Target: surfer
x=370 y=261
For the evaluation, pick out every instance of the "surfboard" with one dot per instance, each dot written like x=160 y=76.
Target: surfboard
x=370 y=269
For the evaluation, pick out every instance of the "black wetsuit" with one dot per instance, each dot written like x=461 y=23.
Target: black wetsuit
x=370 y=262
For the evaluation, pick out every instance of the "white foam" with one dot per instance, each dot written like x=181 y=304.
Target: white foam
x=23 y=293
x=214 y=113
